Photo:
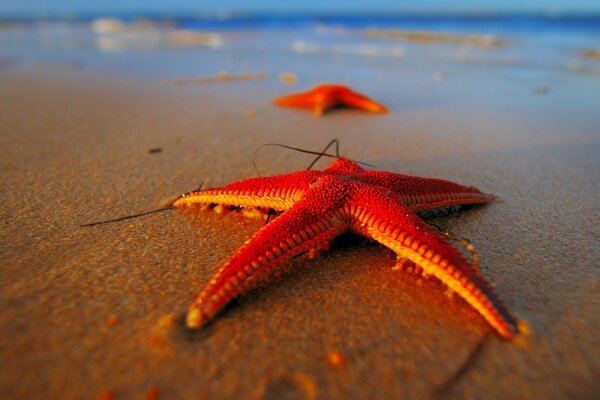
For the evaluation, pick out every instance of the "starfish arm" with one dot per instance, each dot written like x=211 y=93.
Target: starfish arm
x=318 y=101
x=305 y=226
x=420 y=193
x=381 y=215
x=278 y=192
x=294 y=100
x=417 y=193
x=354 y=99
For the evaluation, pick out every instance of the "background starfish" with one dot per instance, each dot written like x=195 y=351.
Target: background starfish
x=326 y=96
x=317 y=206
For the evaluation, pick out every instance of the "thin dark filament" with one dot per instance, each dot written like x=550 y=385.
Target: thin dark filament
x=169 y=207
x=462 y=370
x=128 y=217
x=199 y=188
x=271 y=212
x=316 y=153
x=320 y=154
x=324 y=152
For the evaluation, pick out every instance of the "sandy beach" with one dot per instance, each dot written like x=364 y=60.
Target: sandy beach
x=96 y=312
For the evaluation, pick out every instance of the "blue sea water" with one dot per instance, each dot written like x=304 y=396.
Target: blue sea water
x=168 y=46
x=454 y=23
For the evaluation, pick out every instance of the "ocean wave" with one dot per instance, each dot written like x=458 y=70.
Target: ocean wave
x=424 y=37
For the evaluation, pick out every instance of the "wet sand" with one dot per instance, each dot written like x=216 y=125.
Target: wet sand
x=423 y=37
x=96 y=312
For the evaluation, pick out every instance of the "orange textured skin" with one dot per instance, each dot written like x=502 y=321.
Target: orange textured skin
x=319 y=205
x=327 y=96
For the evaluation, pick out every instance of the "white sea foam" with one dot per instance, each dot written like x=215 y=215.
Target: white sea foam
x=113 y=35
x=367 y=50
x=301 y=46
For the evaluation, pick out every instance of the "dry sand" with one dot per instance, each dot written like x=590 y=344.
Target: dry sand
x=96 y=312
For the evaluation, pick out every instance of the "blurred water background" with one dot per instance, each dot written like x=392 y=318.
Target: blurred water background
x=528 y=46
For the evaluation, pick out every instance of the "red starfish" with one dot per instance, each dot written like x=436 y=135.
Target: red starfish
x=327 y=96
x=317 y=206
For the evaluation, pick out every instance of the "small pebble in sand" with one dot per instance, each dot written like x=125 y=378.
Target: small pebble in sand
x=223 y=76
x=288 y=78
x=160 y=336
x=574 y=65
x=252 y=213
x=155 y=150
x=541 y=90
x=112 y=320
x=153 y=393
x=221 y=209
x=106 y=395
x=524 y=328
x=250 y=113
x=336 y=359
